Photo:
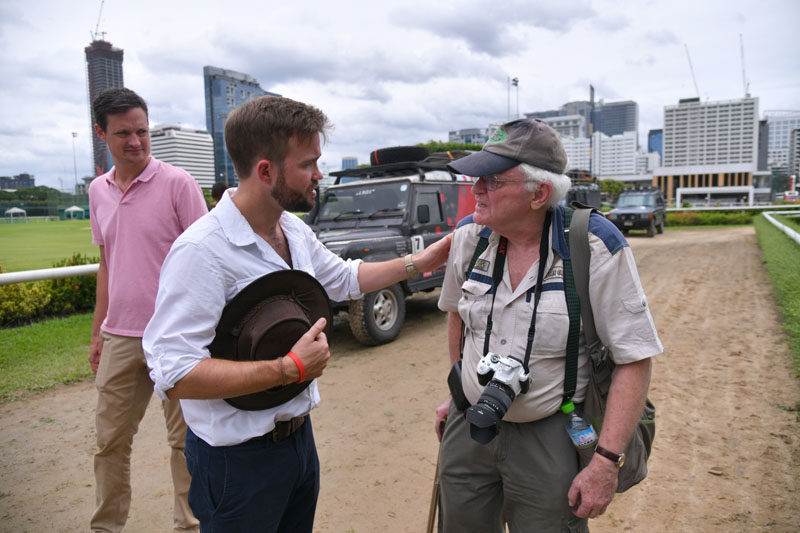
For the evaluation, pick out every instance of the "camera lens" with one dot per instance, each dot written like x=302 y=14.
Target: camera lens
x=484 y=417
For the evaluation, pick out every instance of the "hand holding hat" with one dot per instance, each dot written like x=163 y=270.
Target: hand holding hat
x=313 y=352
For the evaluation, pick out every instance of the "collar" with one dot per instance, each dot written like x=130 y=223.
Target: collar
x=558 y=239
x=144 y=176
x=236 y=228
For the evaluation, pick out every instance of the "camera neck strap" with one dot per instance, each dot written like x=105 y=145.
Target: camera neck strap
x=497 y=278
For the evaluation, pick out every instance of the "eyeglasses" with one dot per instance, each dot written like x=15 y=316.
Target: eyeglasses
x=491 y=181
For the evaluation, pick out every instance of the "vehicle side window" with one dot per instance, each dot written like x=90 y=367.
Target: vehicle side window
x=431 y=199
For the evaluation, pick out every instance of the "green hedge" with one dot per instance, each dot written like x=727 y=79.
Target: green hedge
x=22 y=303
x=709 y=218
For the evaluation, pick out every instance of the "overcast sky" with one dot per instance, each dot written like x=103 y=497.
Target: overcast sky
x=386 y=73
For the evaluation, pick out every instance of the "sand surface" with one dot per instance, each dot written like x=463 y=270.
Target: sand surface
x=726 y=457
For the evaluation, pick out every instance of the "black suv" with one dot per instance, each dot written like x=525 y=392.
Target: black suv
x=640 y=208
x=385 y=211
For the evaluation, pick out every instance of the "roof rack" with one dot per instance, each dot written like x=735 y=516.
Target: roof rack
x=391 y=170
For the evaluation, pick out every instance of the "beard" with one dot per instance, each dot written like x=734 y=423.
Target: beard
x=287 y=198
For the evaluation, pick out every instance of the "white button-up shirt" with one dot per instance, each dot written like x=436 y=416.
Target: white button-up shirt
x=218 y=256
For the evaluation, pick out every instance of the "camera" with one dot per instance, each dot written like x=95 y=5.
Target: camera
x=504 y=377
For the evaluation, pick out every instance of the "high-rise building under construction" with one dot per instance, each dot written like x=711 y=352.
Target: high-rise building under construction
x=104 y=71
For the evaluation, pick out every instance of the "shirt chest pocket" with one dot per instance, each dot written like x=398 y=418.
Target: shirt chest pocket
x=475 y=305
x=552 y=324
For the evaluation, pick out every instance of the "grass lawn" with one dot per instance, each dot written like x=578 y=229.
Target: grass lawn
x=38 y=244
x=782 y=259
x=44 y=354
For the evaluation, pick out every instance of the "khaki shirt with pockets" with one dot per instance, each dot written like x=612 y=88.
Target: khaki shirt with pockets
x=623 y=319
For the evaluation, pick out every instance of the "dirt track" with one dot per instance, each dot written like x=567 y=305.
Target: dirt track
x=726 y=458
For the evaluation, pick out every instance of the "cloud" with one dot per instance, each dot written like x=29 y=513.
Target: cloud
x=495 y=31
x=661 y=37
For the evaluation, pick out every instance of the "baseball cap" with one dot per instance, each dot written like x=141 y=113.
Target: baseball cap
x=527 y=140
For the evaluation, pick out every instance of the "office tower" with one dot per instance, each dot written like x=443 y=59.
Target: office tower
x=780 y=124
x=612 y=118
x=469 y=135
x=20 y=181
x=568 y=125
x=186 y=148
x=794 y=153
x=612 y=155
x=104 y=71
x=655 y=142
x=615 y=118
x=226 y=90
x=709 y=144
x=349 y=162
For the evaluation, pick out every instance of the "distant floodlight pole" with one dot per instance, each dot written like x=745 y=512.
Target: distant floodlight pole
x=75 y=161
x=508 y=107
x=515 y=83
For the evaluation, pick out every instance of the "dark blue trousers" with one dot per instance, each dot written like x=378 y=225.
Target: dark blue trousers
x=256 y=486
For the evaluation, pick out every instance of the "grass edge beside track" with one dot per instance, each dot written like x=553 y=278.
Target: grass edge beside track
x=43 y=355
x=782 y=262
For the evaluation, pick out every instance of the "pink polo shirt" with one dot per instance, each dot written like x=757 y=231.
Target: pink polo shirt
x=137 y=229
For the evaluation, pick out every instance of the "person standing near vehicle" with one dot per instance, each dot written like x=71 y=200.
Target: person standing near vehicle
x=137 y=210
x=256 y=470
x=513 y=304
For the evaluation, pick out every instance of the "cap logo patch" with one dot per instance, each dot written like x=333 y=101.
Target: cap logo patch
x=499 y=136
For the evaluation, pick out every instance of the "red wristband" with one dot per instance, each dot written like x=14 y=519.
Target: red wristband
x=300 y=366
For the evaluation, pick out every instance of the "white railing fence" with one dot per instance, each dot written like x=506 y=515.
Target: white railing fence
x=787 y=230
x=48 y=273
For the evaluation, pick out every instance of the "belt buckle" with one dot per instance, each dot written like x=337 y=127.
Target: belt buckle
x=284 y=429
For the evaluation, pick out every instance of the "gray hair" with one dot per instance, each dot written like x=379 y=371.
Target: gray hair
x=560 y=182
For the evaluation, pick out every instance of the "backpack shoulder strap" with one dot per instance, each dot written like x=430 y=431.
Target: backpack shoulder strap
x=579 y=252
x=573 y=311
x=483 y=243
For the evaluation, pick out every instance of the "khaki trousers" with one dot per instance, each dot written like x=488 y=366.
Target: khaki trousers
x=124 y=389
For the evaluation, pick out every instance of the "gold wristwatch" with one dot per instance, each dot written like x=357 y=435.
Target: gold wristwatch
x=411 y=270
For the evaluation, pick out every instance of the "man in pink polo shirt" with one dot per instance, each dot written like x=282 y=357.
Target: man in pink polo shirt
x=137 y=210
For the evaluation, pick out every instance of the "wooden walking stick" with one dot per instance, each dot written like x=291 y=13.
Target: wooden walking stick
x=434 y=499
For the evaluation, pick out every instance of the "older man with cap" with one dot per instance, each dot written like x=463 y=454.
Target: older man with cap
x=508 y=299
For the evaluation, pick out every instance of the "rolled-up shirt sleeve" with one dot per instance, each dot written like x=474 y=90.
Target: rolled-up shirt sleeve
x=338 y=276
x=191 y=297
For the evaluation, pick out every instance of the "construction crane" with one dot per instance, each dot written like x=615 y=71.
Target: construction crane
x=745 y=83
x=692 y=70
x=97 y=33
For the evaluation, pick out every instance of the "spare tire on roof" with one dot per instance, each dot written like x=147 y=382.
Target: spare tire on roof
x=446 y=157
x=398 y=154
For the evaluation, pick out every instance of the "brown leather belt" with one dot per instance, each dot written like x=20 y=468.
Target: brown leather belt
x=284 y=429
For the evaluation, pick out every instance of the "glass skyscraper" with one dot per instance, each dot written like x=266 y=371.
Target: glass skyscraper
x=615 y=118
x=655 y=141
x=104 y=71
x=225 y=90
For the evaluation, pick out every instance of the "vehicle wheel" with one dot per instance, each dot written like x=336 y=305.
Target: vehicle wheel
x=378 y=316
x=660 y=227
x=651 y=229
x=625 y=231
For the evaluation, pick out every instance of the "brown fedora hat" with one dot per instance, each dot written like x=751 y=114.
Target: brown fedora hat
x=264 y=321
